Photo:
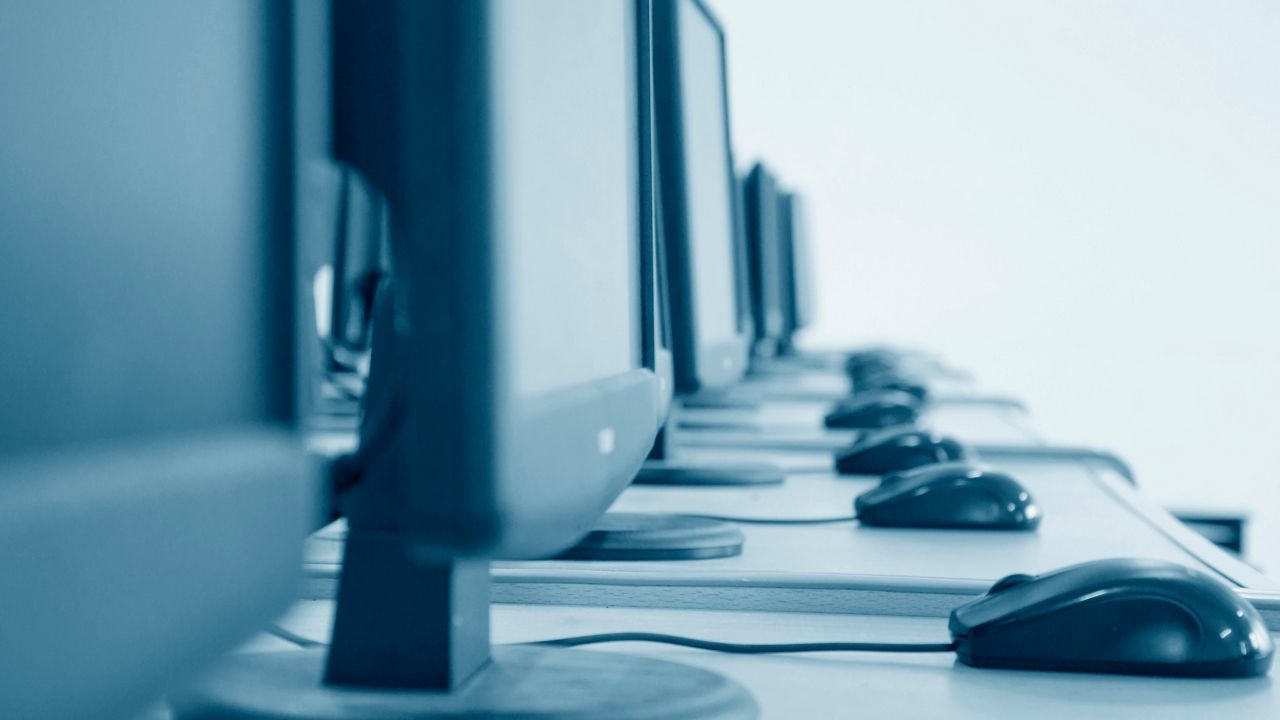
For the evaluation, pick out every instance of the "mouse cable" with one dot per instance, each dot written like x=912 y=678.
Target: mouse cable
x=290 y=636
x=778 y=521
x=695 y=643
x=748 y=648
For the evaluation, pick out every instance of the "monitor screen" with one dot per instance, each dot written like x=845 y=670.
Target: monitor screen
x=709 y=181
x=565 y=183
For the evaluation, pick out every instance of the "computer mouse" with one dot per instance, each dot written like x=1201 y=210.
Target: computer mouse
x=914 y=388
x=1143 y=617
x=949 y=496
x=894 y=449
x=874 y=409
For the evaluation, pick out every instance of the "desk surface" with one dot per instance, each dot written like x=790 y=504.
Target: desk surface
x=874 y=685
x=799 y=424
x=846 y=568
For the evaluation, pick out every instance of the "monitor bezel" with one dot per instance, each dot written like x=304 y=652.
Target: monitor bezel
x=657 y=345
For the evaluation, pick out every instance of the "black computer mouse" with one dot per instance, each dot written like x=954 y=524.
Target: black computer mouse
x=1143 y=617
x=894 y=449
x=874 y=409
x=914 y=388
x=949 y=496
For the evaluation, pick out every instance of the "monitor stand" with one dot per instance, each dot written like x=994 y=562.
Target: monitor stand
x=708 y=401
x=661 y=469
x=625 y=537
x=688 y=473
x=657 y=536
x=412 y=641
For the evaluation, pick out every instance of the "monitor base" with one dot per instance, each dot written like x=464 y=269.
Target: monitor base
x=718 y=402
x=646 y=536
x=521 y=681
x=670 y=472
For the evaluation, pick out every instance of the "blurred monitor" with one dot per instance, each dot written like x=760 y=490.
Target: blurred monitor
x=700 y=202
x=512 y=392
x=151 y=487
x=768 y=266
x=520 y=244
x=798 y=262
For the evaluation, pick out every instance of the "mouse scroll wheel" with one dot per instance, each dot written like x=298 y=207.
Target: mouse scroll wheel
x=1009 y=581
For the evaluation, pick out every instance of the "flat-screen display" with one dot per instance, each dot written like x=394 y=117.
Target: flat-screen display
x=565 y=184
x=708 y=176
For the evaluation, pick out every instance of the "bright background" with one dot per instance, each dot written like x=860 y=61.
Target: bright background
x=1080 y=202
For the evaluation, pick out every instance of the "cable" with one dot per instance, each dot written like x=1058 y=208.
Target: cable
x=748 y=648
x=292 y=637
x=779 y=521
x=711 y=645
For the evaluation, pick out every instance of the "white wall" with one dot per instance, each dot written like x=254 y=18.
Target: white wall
x=1080 y=201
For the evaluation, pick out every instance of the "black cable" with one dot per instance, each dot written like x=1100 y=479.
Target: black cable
x=779 y=521
x=292 y=637
x=712 y=645
x=749 y=648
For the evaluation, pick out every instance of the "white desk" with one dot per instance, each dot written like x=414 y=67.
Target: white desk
x=844 y=568
x=828 y=384
x=799 y=425
x=874 y=685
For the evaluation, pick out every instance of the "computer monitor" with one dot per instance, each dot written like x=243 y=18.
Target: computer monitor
x=511 y=393
x=700 y=206
x=152 y=490
x=532 y=337
x=767 y=266
x=798 y=263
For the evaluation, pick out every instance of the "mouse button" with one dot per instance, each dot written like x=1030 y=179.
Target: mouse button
x=969 y=505
x=914 y=475
x=936 y=471
x=1013 y=495
x=1041 y=594
x=1125 y=629
x=1088 y=580
x=1009 y=581
x=950 y=449
x=1132 y=627
x=874 y=497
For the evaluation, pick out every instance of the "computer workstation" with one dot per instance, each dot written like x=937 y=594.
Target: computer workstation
x=762 y=554
x=161 y=467
x=514 y=442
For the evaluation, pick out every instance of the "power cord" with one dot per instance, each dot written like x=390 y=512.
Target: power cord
x=294 y=638
x=695 y=643
x=749 y=648
x=779 y=521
